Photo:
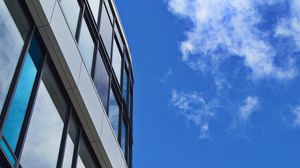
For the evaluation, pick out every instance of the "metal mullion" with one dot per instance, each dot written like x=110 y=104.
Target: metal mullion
x=76 y=148
x=3 y=159
x=15 y=80
x=64 y=138
x=99 y=15
x=32 y=100
x=94 y=59
x=81 y=16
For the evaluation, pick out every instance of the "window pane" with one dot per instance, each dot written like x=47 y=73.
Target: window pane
x=123 y=137
x=9 y=55
x=17 y=111
x=101 y=79
x=94 y=4
x=106 y=30
x=41 y=146
x=86 y=46
x=71 y=139
x=85 y=159
x=114 y=111
x=71 y=11
x=117 y=61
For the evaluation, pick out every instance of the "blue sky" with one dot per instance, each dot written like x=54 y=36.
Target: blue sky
x=216 y=82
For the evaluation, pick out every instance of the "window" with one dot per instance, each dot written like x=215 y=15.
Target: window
x=95 y=4
x=86 y=46
x=117 y=61
x=46 y=126
x=101 y=80
x=106 y=30
x=16 y=113
x=71 y=10
x=13 y=42
x=114 y=111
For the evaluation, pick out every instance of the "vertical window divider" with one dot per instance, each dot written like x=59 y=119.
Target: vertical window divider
x=81 y=16
x=76 y=149
x=64 y=138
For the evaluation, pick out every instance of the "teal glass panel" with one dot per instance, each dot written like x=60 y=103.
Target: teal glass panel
x=7 y=152
x=11 y=38
x=19 y=103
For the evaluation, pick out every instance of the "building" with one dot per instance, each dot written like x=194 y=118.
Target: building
x=66 y=85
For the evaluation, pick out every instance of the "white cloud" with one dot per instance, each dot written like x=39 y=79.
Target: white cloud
x=195 y=109
x=290 y=26
x=246 y=110
x=296 y=113
x=166 y=77
x=229 y=28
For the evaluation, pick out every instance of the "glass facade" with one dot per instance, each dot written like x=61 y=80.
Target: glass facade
x=39 y=124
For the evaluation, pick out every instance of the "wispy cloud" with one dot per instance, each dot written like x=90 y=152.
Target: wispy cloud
x=290 y=26
x=250 y=105
x=195 y=109
x=296 y=116
x=166 y=77
x=230 y=28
